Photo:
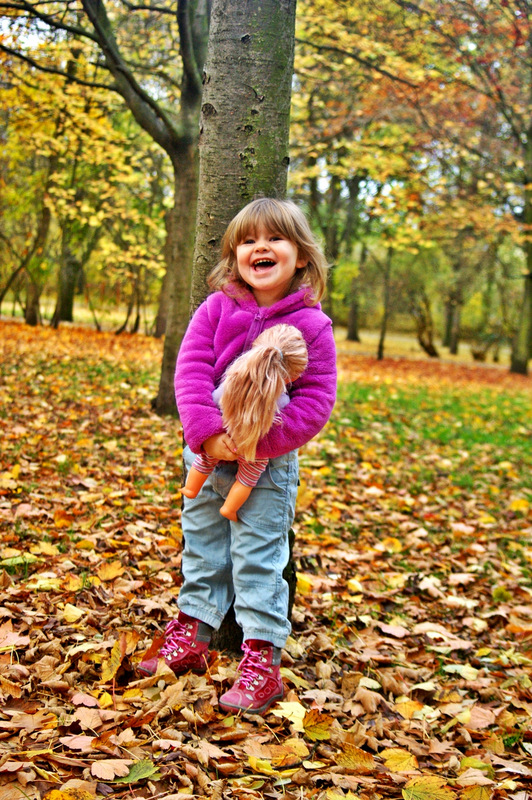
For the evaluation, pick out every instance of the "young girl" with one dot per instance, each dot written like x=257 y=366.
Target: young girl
x=272 y=271
x=250 y=397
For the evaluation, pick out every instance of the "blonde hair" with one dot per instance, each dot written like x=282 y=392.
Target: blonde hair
x=277 y=216
x=254 y=383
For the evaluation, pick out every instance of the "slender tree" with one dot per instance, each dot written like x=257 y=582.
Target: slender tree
x=245 y=118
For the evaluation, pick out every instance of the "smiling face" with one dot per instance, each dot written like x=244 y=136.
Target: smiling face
x=267 y=262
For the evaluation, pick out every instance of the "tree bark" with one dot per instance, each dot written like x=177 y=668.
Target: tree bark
x=244 y=118
x=386 y=304
x=180 y=247
x=522 y=344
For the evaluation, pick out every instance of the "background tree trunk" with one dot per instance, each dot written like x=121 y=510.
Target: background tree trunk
x=180 y=246
x=385 y=302
x=522 y=344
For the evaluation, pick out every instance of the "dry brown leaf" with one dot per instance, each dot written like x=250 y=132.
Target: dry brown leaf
x=111 y=768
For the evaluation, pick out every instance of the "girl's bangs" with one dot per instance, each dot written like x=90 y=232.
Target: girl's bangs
x=270 y=215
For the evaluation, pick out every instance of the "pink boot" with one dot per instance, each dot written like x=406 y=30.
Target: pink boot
x=259 y=684
x=185 y=647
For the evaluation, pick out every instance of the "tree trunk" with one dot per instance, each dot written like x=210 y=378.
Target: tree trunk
x=386 y=304
x=69 y=275
x=352 y=318
x=180 y=248
x=454 y=341
x=162 y=310
x=32 y=313
x=243 y=137
x=421 y=311
x=244 y=118
x=522 y=344
x=353 y=334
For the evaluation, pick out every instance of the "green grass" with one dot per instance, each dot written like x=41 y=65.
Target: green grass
x=476 y=425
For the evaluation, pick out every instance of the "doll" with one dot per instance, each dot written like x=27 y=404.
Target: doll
x=251 y=397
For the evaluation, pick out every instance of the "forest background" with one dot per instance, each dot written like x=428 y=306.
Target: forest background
x=410 y=152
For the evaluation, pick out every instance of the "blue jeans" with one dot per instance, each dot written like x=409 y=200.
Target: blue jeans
x=244 y=560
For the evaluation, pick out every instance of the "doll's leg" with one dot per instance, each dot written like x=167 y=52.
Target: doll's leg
x=199 y=472
x=238 y=494
x=246 y=478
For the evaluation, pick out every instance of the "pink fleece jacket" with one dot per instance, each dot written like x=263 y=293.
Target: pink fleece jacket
x=224 y=327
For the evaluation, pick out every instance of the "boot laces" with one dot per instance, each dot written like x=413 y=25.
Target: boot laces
x=252 y=667
x=176 y=634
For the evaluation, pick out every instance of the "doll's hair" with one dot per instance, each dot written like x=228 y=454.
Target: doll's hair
x=277 y=216
x=254 y=383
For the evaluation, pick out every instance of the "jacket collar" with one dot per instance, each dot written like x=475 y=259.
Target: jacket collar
x=246 y=300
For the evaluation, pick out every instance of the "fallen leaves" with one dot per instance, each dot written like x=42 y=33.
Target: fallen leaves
x=408 y=671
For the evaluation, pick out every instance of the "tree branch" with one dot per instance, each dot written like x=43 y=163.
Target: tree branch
x=190 y=64
x=49 y=19
x=356 y=57
x=53 y=71
x=146 y=111
x=149 y=7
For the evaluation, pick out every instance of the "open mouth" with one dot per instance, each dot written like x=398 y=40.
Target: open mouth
x=263 y=264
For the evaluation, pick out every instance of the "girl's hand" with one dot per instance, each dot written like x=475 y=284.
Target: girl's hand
x=221 y=447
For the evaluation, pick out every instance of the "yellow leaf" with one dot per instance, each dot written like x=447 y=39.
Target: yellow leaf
x=427 y=787
x=131 y=694
x=131 y=638
x=62 y=519
x=317 y=726
x=295 y=712
x=392 y=545
x=261 y=765
x=304 y=584
x=293 y=678
x=45 y=584
x=408 y=708
x=108 y=572
x=354 y=585
x=476 y=793
x=68 y=794
x=85 y=544
x=465 y=671
x=110 y=666
x=519 y=504
x=486 y=519
x=355 y=758
x=105 y=700
x=45 y=549
x=72 y=613
x=399 y=760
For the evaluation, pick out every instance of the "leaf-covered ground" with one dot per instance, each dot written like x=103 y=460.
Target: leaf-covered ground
x=409 y=671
